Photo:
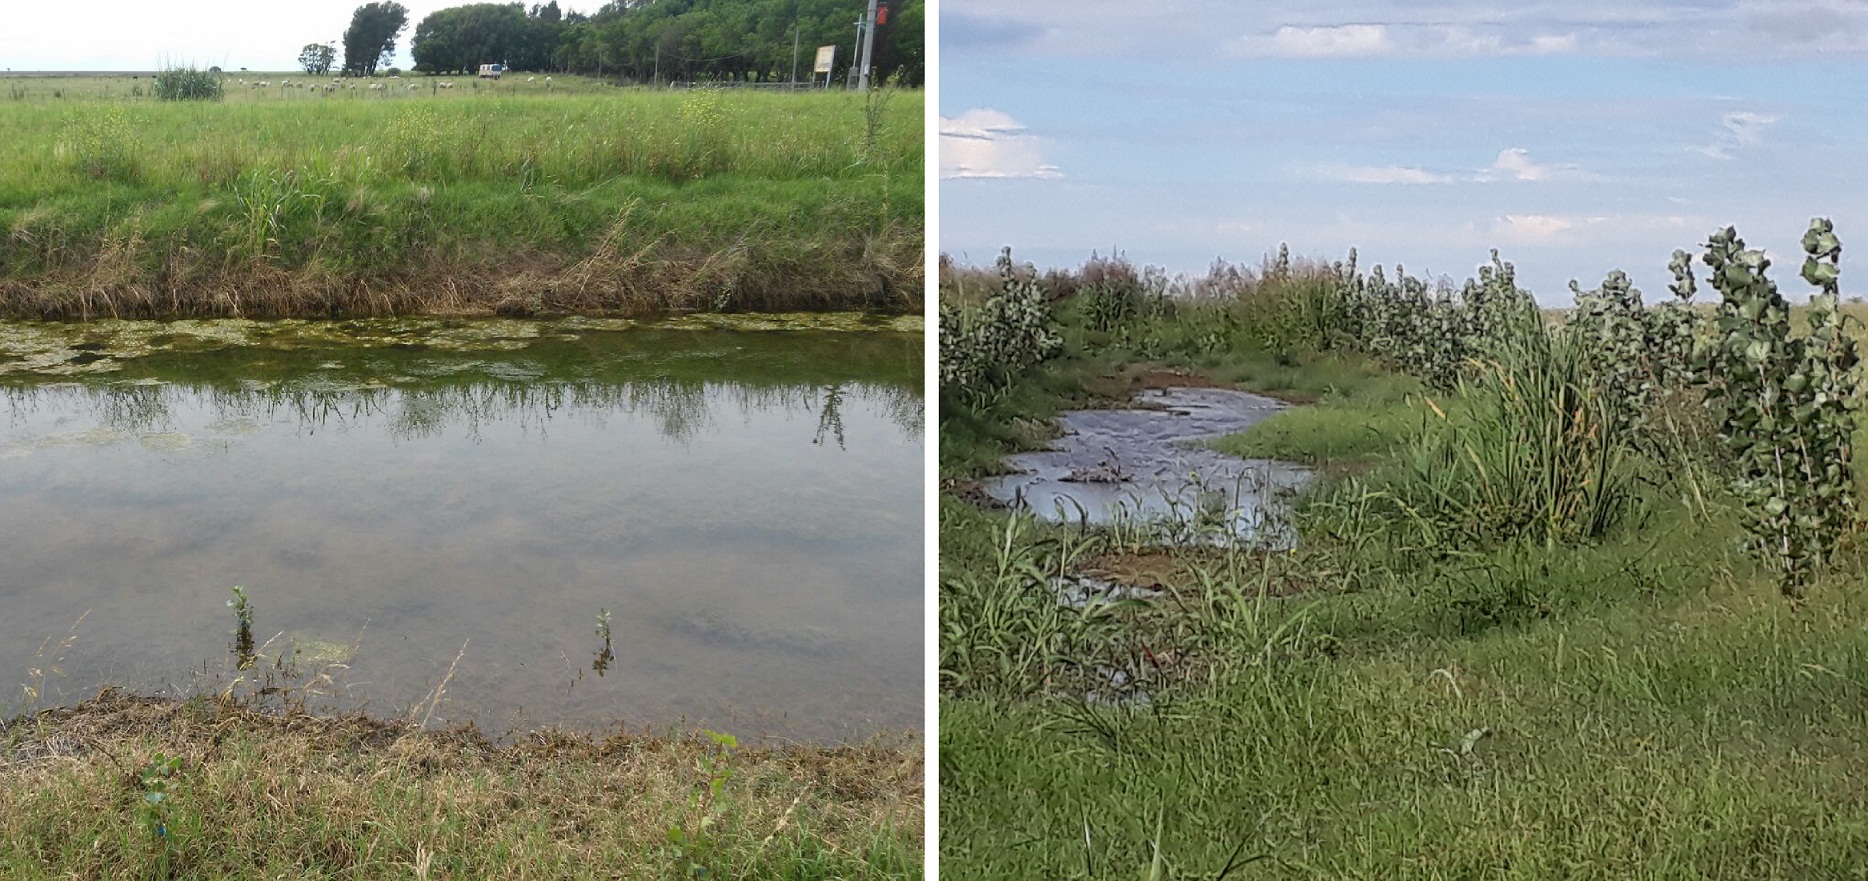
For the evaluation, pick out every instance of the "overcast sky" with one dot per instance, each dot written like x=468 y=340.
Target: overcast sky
x=1575 y=137
x=116 y=35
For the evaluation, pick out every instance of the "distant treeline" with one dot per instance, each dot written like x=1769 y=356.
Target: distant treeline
x=669 y=40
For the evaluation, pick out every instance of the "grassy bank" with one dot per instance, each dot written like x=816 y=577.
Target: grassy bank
x=479 y=199
x=264 y=793
x=1632 y=699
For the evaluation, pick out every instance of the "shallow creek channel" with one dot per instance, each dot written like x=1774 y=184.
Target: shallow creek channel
x=1148 y=467
x=743 y=496
x=1147 y=464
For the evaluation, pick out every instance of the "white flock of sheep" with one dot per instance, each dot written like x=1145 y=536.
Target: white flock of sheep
x=341 y=83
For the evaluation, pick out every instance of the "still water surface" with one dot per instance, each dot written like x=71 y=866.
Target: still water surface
x=747 y=504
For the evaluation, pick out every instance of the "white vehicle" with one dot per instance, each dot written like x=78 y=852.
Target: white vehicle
x=491 y=71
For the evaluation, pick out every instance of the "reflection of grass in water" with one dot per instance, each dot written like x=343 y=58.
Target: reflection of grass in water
x=681 y=409
x=830 y=417
x=677 y=377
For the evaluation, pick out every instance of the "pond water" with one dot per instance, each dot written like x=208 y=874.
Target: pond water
x=746 y=504
x=1146 y=464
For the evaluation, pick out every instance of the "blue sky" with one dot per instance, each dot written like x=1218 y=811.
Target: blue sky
x=1575 y=138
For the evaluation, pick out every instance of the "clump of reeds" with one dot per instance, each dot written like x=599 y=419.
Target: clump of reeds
x=187 y=84
x=1533 y=452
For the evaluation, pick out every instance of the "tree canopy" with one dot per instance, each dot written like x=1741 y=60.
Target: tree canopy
x=371 y=38
x=464 y=37
x=641 y=40
x=317 y=58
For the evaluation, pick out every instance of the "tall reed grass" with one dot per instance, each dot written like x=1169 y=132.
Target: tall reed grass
x=626 y=201
x=1532 y=452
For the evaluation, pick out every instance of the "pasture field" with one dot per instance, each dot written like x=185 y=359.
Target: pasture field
x=513 y=197
x=1494 y=651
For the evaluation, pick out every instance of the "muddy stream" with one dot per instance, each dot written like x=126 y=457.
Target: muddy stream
x=1147 y=464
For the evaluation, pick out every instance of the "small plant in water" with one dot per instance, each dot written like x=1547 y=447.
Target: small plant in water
x=604 y=655
x=243 y=628
x=694 y=842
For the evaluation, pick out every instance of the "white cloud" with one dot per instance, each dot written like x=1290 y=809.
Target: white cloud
x=1411 y=40
x=1818 y=25
x=1514 y=163
x=1435 y=28
x=1536 y=229
x=985 y=143
x=1333 y=42
x=1385 y=174
x=1570 y=229
x=1742 y=129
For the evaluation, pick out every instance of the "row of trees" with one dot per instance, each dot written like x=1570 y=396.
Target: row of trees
x=369 y=42
x=644 y=40
x=641 y=40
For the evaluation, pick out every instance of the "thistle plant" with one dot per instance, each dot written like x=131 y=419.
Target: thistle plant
x=983 y=349
x=1612 y=326
x=1674 y=329
x=1434 y=332
x=1786 y=404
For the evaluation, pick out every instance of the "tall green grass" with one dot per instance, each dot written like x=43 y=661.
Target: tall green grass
x=705 y=199
x=1532 y=453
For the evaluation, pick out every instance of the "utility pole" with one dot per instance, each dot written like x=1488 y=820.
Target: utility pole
x=868 y=47
x=797 y=31
x=658 y=64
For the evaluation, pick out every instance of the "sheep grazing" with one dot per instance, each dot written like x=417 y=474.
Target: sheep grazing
x=414 y=86
x=447 y=85
x=376 y=87
x=263 y=84
x=531 y=79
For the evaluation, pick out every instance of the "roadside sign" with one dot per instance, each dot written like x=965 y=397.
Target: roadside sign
x=825 y=56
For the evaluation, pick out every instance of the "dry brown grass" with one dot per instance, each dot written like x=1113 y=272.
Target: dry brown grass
x=264 y=793
x=882 y=274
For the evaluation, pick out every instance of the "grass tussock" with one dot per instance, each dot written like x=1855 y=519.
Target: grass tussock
x=258 y=793
x=1533 y=453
